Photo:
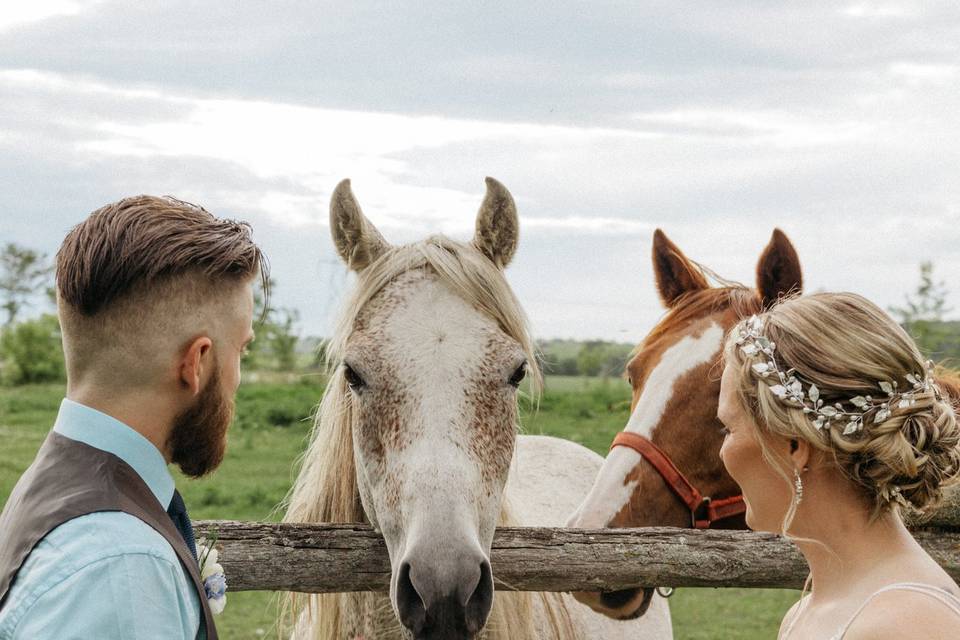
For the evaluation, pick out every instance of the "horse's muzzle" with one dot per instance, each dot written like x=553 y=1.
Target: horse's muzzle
x=433 y=613
x=625 y=604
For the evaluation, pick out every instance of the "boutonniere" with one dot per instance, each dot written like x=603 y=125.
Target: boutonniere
x=211 y=572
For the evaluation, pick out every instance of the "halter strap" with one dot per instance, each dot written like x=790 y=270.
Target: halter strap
x=704 y=510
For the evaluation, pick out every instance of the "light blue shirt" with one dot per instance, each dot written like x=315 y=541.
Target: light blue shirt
x=104 y=575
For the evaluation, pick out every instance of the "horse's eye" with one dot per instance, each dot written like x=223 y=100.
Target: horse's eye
x=353 y=378
x=518 y=375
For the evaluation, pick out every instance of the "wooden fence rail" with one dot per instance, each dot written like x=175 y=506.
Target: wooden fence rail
x=340 y=558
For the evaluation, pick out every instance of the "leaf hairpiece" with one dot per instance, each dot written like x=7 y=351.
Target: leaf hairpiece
x=789 y=389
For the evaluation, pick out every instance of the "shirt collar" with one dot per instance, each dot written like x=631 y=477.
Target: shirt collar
x=84 y=424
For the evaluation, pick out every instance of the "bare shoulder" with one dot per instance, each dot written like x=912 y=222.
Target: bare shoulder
x=903 y=613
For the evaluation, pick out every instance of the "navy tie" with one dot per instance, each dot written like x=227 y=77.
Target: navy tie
x=178 y=513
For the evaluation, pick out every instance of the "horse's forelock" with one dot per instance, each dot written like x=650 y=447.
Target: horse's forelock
x=458 y=265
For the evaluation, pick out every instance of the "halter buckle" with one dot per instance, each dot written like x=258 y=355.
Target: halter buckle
x=700 y=517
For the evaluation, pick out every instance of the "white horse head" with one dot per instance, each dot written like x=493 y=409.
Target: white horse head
x=420 y=417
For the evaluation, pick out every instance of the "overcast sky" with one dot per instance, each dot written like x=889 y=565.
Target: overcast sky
x=838 y=122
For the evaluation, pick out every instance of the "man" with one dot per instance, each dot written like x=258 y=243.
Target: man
x=155 y=299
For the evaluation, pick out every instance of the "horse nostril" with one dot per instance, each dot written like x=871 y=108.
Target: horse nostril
x=413 y=613
x=447 y=605
x=481 y=600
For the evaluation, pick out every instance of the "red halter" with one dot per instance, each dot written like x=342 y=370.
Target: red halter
x=704 y=511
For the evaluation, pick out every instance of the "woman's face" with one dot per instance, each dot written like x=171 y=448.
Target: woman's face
x=765 y=492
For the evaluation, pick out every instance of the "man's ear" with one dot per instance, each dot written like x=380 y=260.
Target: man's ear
x=193 y=363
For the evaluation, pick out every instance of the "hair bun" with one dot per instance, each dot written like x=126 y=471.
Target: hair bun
x=913 y=454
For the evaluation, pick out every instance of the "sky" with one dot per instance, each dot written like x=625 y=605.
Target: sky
x=717 y=122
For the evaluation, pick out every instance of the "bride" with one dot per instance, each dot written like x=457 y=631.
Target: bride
x=833 y=424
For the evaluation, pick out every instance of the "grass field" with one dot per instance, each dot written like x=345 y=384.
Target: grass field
x=269 y=433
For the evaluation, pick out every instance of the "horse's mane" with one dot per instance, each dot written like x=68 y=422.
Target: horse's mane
x=326 y=488
x=694 y=305
x=949 y=382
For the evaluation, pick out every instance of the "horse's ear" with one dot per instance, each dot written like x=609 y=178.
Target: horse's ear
x=778 y=271
x=358 y=242
x=497 y=225
x=676 y=275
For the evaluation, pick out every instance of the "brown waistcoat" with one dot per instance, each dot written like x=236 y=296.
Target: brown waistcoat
x=69 y=479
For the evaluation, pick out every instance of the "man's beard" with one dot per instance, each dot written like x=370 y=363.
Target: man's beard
x=199 y=437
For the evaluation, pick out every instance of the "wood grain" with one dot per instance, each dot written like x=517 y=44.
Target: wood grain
x=339 y=558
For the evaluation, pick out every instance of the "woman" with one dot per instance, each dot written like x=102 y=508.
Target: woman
x=833 y=423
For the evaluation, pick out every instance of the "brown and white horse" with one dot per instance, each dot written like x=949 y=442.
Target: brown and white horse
x=676 y=386
x=417 y=435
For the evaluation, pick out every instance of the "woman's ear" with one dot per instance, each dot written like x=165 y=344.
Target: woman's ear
x=800 y=453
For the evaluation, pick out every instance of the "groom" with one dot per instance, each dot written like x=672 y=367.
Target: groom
x=155 y=299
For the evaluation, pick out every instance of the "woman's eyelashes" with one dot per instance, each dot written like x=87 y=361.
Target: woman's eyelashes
x=723 y=427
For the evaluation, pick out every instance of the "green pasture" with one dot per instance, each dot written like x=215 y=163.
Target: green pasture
x=270 y=432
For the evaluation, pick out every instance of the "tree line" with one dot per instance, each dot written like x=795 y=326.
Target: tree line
x=31 y=351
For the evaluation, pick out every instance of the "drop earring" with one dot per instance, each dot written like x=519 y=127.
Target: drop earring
x=798 y=487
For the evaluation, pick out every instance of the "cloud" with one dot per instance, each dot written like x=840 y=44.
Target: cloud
x=16 y=14
x=714 y=123
x=925 y=73
x=880 y=10
x=307 y=149
x=767 y=127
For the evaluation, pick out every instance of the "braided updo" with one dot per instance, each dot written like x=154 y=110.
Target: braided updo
x=845 y=345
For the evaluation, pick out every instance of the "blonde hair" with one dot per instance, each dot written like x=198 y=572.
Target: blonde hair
x=845 y=345
x=326 y=488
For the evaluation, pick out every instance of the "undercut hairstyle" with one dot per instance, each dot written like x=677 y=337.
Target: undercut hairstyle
x=145 y=271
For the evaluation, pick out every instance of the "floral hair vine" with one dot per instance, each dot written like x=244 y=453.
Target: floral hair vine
x=753 y=343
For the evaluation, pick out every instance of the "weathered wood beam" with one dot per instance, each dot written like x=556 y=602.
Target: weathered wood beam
x=946 y=516
x=340 y=558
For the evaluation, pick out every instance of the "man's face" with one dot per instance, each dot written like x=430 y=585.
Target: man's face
x=198 y=440
x=238 y=336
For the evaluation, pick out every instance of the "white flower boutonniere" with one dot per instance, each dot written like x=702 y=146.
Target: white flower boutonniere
x=211 y=572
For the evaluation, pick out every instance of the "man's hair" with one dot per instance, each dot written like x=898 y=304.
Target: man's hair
x=139 y=241
x=140 y=276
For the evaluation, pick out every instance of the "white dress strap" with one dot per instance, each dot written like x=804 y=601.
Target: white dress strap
x=796 y=614
x=938 y=593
